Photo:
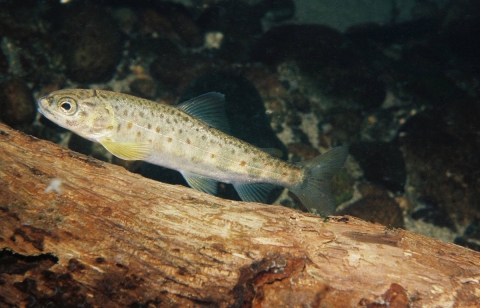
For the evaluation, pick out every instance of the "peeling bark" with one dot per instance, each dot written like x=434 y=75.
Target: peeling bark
x=112 y=238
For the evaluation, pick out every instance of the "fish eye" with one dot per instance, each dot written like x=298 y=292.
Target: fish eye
x=67 y=105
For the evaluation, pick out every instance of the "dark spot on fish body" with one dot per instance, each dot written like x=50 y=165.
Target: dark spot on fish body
x=186 y=119
x=188 y=141
x=212 y=155
x=175 y=121
x=110 y=127
x=125 y=112
x=150 y=141
x=173 y=129
x=129 y=125
x=83 y=113
x=141 y=114
x=204 y=137
x=149 y=126
x=168 y=121
x=169 y=139
x=161 y=115
x=139 y=134
x=119 y=126
x=243 y=163
x=180 y=131
x=157 y=129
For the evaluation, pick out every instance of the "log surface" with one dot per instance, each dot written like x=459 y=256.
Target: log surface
x=112 y=238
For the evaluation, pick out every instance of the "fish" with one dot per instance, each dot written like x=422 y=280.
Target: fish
x=192 y=138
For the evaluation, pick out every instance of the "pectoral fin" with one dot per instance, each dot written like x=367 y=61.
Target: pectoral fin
x=128 y=150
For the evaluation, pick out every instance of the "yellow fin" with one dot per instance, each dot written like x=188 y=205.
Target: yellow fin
x=128 y=150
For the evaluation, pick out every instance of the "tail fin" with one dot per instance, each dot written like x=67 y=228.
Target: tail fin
x=314 y=190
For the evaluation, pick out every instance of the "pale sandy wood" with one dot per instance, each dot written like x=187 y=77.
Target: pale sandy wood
x=122 y=240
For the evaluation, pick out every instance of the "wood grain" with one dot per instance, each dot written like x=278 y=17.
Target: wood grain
x=112 y=238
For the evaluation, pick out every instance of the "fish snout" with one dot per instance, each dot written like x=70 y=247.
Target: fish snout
x=43 y=105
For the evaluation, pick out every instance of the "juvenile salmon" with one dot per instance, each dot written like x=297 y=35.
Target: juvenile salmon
x=191 y=138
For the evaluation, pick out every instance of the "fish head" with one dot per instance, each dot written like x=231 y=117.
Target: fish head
x=80 y=111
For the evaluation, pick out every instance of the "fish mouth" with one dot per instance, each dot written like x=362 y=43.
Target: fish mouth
x=42 y=107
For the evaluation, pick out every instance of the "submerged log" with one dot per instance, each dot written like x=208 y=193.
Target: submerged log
x=105 y=237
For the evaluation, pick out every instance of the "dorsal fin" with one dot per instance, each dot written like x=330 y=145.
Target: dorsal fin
x=209 y=108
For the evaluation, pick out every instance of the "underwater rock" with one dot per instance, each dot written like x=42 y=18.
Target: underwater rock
x=175 y=70
x=144 y=87
x=238 y=22
x=382 y=163
x=313 y=44
x=173 y=21
x=92 y=47
x=433 y=214
x=471 y=236
x=376 y=206
x=280 y=104
x=421 y=75
x=278 y=10
x=302 y=151
x=17 y=105
x=441 y=149
x=346 y=125
x=327 y=57
x=19 y=20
